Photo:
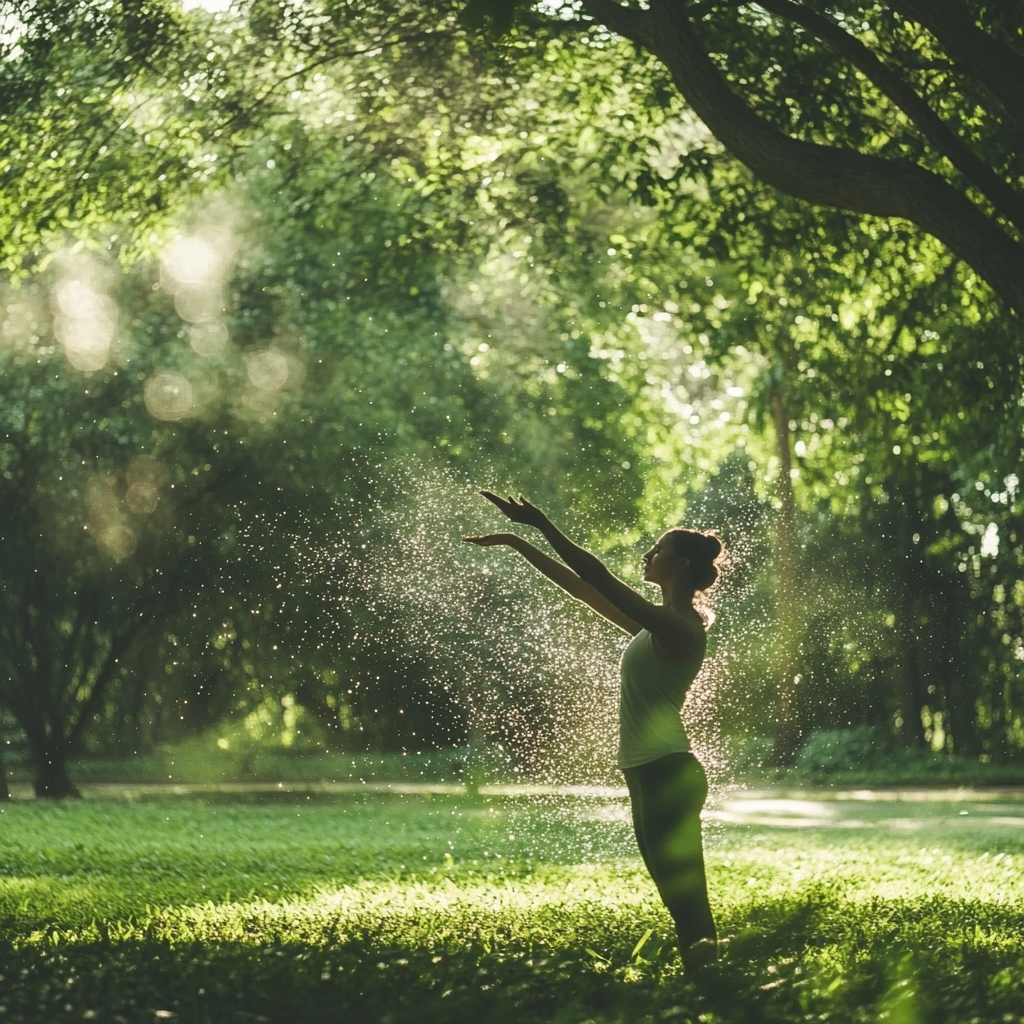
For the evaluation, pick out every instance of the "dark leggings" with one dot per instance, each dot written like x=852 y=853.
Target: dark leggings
x=666 y=796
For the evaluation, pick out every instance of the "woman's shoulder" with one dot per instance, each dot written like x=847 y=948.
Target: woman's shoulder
x=685 y=639
x=690 y=621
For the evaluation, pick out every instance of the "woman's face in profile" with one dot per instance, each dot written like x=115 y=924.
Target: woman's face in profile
x=660 y=562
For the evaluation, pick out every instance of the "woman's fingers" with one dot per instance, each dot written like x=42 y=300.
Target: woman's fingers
x=507 y=507
x=518 y=510
x=494 y=499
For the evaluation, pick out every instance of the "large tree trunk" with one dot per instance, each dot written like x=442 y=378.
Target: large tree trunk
x=49 y=759
x=908 y=686
x=906 y=696
x=54 y=783
x=960 y=691
x=5 y=793
x=788 y=605
x=53 y=708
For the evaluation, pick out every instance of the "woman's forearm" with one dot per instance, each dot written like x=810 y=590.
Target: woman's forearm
x=587 y=566
x=554 y=570
x=584 y=576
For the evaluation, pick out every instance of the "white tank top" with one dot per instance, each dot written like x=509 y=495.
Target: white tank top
x=650 y=698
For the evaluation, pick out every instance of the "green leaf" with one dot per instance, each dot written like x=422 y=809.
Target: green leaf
x=640 y=945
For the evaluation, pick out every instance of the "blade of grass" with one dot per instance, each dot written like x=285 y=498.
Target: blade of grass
x=640 y=945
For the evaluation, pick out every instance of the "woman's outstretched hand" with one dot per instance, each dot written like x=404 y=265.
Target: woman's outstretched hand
x=520 y=511
x=489 y=540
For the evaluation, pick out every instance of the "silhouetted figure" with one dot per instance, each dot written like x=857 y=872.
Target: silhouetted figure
x=667 y=785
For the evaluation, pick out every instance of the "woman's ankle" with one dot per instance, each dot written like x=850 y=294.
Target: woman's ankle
x=698 y=955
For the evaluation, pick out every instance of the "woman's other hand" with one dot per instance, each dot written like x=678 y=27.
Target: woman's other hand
x=489 y=540
x=519 y=511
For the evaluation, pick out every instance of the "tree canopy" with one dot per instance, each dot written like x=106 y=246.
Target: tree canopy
x=908 y=109
x=290 y=267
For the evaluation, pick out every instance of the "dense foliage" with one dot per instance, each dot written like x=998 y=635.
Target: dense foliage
x=901 y=109
x=293 y=279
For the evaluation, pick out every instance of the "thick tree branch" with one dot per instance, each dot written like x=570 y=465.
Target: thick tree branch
x=1006 y=201
x=823 y=175
x=628 y=22
x=998 y=67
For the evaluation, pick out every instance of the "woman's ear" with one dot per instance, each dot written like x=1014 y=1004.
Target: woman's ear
x=682 y=562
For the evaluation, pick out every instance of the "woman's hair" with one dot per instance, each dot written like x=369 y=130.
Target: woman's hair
x=704 y=550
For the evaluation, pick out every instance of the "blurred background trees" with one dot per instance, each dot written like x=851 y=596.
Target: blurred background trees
x=294 y=280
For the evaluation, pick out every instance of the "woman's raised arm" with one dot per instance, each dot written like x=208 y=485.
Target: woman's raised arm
x=561 y=574
x=658 y=619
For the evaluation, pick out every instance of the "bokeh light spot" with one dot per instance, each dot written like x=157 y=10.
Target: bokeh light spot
x=84 y=324
x=196 y=305
x=76 y=299
x=191 y=261
x=145 y=475
x=142 y=497
x=168 y=396
x=268 y=370
x=118 y=541
x=208 y=338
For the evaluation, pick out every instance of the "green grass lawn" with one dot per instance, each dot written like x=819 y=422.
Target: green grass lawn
x=491 y=909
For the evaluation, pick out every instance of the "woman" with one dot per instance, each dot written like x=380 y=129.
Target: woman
x=667 y=785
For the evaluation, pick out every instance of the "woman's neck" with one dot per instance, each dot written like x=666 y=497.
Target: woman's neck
x=677 y=596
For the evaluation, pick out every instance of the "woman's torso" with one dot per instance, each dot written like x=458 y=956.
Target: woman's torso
x=651 y=696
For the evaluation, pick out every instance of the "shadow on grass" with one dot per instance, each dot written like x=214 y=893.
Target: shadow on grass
x=819 y=958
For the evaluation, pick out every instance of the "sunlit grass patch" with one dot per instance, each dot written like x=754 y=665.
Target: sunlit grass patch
x=452 y=909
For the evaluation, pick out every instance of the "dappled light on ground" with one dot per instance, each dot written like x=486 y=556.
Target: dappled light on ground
x=428 y=905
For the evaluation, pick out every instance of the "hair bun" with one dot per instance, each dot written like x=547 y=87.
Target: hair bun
x=702 y=550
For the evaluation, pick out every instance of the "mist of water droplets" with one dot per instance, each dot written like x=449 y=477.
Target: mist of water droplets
x=535 y=672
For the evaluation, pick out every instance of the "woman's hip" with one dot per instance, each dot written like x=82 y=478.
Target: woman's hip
x=674 y=778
